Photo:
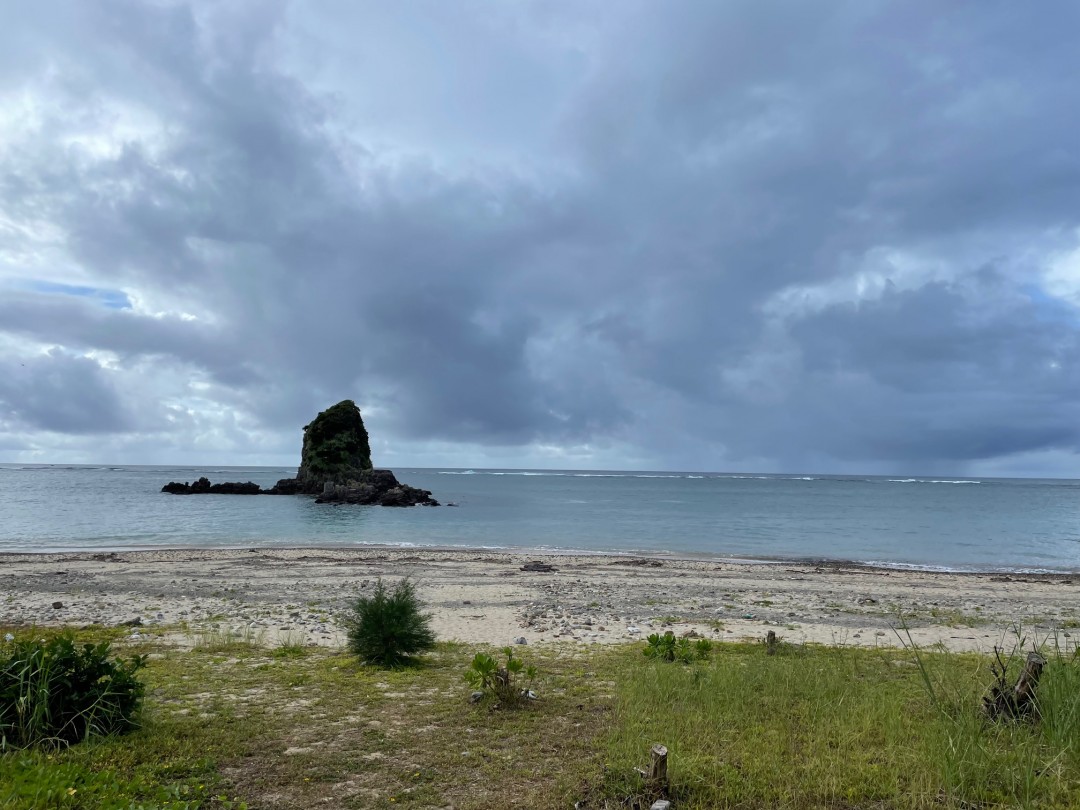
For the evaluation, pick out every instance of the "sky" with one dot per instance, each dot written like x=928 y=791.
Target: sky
x=735 y=235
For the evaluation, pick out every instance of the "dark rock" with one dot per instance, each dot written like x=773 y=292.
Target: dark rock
x=541 y=567
x=376 y=487
x=335 y=448
x=286 y=486
x=204 y=487
x=57 y=605
x=136 y=622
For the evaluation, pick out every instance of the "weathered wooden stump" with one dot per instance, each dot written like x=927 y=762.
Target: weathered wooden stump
x=771 y=642
x=1014 y=702
x=656 y=776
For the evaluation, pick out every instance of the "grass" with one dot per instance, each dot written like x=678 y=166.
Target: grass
x=234 y=725
x=829 y=727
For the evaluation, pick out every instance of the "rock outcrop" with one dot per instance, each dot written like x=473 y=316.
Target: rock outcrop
x=335 y=448
x=204 y=487
x=335 y=466
x=375 y=486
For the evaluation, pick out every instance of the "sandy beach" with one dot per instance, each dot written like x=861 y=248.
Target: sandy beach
x=302 y=596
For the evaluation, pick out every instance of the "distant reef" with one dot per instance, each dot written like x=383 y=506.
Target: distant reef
x=335 y=466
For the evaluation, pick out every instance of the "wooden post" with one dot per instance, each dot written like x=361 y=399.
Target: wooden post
x=1028 y=682
x=770 y=642
x=656 y=777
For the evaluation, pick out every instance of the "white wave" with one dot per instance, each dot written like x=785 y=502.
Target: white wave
x=929 y=481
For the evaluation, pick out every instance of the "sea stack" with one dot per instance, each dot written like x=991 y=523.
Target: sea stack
x=335 y=466
x=336 y=448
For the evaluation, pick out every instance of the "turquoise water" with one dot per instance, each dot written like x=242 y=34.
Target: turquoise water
x=965 y=524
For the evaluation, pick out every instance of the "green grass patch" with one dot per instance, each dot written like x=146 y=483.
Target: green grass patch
x=827 y=727
x=233 y=724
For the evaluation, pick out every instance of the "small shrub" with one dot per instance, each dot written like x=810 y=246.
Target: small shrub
x=669 y=648
x=54 y=692
x=504 y=682
x=387 y=628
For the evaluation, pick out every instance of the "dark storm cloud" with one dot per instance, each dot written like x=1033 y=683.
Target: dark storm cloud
x=59 y=393
x=697 y=235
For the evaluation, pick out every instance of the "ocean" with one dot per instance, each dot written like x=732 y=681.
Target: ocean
x=965 y=524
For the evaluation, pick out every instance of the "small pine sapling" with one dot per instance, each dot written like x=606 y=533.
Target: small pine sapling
x=389 y=627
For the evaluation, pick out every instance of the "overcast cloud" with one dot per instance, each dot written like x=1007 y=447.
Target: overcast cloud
x=739 y=235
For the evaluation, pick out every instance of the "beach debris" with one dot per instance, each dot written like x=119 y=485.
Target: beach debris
x=1014 y=702
x=639 y=561
x=57 y=605
x=476 y=697
x=661 y=804
x=539 y=567
x=8 y=637
x=136 y=622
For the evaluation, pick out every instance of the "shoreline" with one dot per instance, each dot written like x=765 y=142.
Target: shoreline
x=304 y=594
x=674 y=556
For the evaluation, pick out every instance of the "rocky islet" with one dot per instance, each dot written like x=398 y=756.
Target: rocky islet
x=335 y=467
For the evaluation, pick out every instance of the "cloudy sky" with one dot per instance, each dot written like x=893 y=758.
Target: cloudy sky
x=730 y=235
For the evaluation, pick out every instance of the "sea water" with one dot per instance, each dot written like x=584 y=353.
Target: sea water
x=935 y=523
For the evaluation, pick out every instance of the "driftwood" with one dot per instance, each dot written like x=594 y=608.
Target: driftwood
x=1012 y=702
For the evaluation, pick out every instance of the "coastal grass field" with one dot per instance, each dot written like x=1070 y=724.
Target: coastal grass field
x=229 y=723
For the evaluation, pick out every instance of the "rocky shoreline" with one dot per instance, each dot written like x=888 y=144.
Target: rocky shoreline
x=374 y=487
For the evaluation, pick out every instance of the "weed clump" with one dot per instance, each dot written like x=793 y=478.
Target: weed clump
x=504 y=682
x=388 y=627
x=668 y=648
x=57 y=693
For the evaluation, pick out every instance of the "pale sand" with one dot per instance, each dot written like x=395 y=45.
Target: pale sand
x=301 y=596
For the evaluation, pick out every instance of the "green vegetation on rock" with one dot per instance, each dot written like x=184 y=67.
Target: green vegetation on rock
x=335 y=447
